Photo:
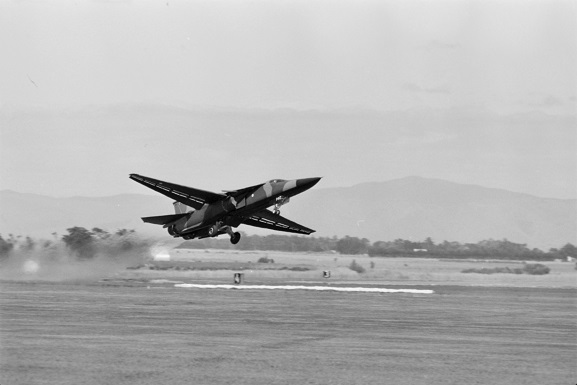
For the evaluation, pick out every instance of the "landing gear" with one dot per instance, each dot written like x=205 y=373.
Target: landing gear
x=214 y=229
x=234 y=236
x=281 y=200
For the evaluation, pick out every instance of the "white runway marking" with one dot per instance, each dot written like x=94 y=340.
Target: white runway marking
x=317 y=288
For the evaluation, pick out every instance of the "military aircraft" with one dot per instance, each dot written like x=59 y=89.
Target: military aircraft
x=202 y=214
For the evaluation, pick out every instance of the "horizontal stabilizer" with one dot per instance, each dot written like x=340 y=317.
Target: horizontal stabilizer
x=164 y=219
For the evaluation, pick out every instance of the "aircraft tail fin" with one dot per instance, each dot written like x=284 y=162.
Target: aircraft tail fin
x=181 y=208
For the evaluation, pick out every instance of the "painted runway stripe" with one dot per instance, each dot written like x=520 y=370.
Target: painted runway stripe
x=317 y=288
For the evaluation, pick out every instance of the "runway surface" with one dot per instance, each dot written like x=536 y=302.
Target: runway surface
x=136 y=332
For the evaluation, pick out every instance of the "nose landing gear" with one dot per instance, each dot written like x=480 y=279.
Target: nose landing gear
x=281 y=200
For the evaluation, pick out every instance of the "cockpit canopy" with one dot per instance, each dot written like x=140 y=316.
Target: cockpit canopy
x=276 y=180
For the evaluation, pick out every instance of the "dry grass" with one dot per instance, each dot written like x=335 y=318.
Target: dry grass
x=405 y=271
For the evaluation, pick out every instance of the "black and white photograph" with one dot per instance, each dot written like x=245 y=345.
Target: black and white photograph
x=283 y=192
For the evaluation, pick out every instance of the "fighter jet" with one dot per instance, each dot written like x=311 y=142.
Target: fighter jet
x=202 y=214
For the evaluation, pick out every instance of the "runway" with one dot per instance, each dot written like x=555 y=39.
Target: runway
x=140 y=332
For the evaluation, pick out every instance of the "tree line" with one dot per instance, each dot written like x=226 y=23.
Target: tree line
x=86 y=244
x=79 y=242
x=486 y=249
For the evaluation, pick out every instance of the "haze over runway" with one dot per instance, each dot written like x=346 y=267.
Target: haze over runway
x=223 y=95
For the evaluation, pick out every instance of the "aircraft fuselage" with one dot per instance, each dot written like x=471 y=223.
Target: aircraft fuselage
x=199 y=222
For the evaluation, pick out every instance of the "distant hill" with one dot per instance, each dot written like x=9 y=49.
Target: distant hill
x=411 y=208
x=40 y=216
x=415 y=208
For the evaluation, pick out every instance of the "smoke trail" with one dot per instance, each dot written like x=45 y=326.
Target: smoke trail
x=53 y=261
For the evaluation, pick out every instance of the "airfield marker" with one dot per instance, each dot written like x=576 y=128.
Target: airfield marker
x=314 y=288
x=238 y=278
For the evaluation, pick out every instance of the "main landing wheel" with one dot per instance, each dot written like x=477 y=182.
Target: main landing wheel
x=213 y=230
x=235 y=238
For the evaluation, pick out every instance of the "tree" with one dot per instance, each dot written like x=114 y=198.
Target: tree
x=352 y=245
x=356 y=267
x=123 y=232
x=568 y=251
x=101 y=234
x=428 y=244
x=5 y=247
x=80 y=241
x=29 y=244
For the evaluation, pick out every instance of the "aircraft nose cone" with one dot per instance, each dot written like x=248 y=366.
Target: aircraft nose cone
x=307 y=182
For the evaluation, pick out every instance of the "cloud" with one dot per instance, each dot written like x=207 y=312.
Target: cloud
x=550 y=101
x=442 y=45
x=546 y=101
x=412 y=87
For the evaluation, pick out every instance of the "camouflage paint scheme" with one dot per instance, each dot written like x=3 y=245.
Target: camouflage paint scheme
x=200 y=213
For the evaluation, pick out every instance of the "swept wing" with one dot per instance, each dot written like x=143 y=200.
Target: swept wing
x=192 y=197
x=268 y=220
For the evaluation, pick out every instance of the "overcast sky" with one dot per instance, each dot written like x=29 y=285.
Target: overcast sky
x=480 y=92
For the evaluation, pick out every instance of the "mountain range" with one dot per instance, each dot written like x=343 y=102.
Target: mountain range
x=412 y=208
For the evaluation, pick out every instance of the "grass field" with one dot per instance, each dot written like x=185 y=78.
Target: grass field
x=136 y=327
x=406 y=271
